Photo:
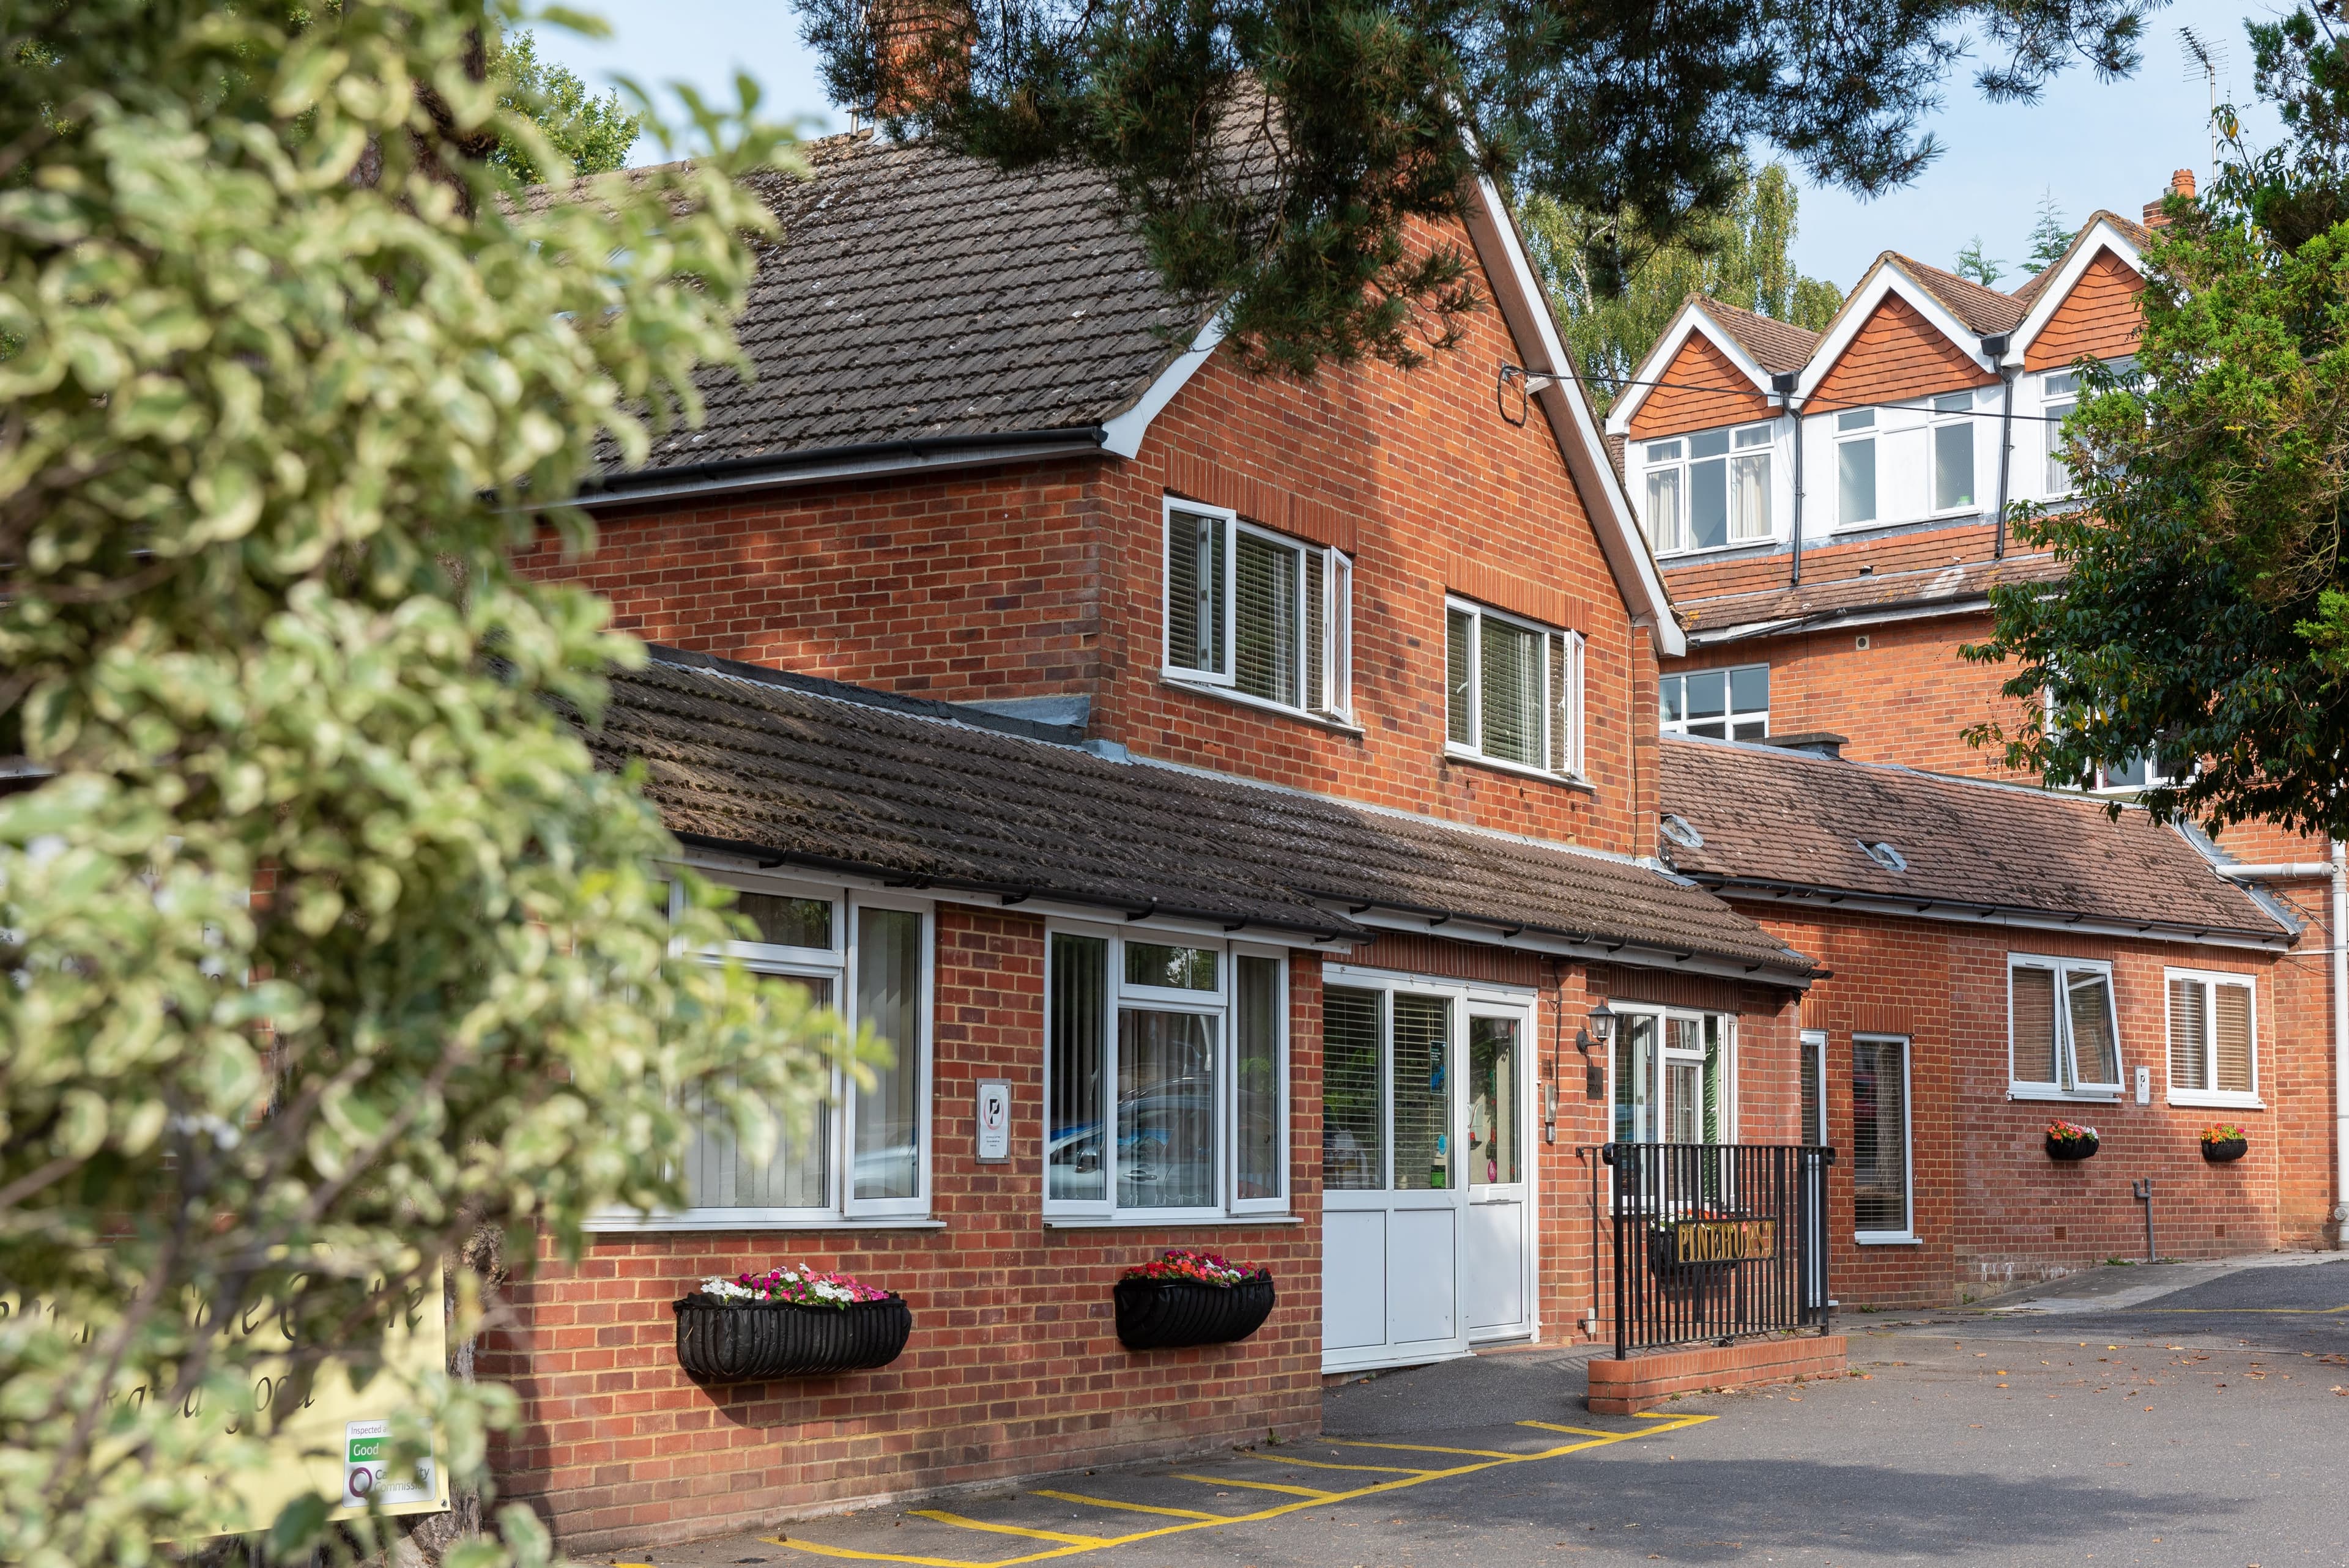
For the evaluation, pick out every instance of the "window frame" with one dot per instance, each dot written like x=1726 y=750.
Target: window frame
x=2157 y=777
x=1220 y=1005
x=1938 y=420
x=2067 y=1050
x=1732 y=1101
x=1564 y=719
x=1337 y=618
x=1812 y=1045
x=2212 y=1099
x=1908 y=1237
x=837 y=1118
x=2052 y=429
x=1729 y=718
x=1682 y=464
x=1849 y=434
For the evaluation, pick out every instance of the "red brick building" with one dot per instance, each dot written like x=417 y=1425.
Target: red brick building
x=1826 y=510
x=1255 y=779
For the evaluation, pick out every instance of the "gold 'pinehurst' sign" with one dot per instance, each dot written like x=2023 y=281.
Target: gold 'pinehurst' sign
x=1723 y=1241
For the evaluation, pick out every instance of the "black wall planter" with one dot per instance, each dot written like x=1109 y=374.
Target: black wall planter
x=2070 y=1149
x=1162 y=1315
x=751 y=1343
x=2219 y=1151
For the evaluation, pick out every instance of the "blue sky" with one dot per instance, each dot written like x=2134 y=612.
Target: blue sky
x=2090 y=144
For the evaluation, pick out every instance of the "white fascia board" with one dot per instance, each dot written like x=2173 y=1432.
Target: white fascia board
x=1693 y=319
x=1525 y=310
x=1818 y=901
x=1124 y=434
x=2101 y=236
x=1888 y=278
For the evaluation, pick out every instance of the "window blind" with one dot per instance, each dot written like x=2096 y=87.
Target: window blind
x=2189 y=1025
x=2035 y=1026
x=1074 y=1161
x=1879 y=1135
x=1509 y=700
x=1422 y=1099
x=720 y=1175
x=1318 y=696
x=889 y=997
x=1558 y=762
x=2095 y=1054
x=1354 y=1143
x=1459 y=675
x=1256 y=1077
x=1195 y=592
x=1265 y=646
x=2230 y=1038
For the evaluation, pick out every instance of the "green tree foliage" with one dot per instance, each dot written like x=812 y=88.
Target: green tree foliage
x=2205 y=613
x=329 y=951
x=1738 y=255
x=1273 y=153
x=593 y=134
x=2049 y=236
x=1973 y=265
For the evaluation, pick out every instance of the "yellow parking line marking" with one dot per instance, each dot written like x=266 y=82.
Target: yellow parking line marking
x=1424 y=1448
x=1132 y=1507
x=1062 y=1536
x=1258 y=1485
x=1492 y=1459
x=1577 y=1431
x=2241 y=1311
x=1331 y=1464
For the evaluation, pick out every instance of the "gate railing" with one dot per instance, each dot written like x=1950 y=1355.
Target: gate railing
x=1717 y=1241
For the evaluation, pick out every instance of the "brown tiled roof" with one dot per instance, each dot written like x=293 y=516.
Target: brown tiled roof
x=1773 y=345
x=1957 y=582
x=1984 y=311
x=824 y=776
x=1779 y=820
x=916 y=294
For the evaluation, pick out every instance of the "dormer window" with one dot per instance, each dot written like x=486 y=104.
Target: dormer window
x=1263 y=616
x=1708 y=491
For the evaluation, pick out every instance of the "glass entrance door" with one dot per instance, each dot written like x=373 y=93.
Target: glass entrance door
x=1498 y=1286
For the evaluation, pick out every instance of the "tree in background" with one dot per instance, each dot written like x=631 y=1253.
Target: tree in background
x=2204 y=612
x=1738 y=255
x=593 y=134
x=1273 y=153
x=1972 y=265
x=2049 y=236
x=329 y=951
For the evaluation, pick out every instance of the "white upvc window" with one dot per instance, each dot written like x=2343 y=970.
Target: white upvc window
x=1855 y=449
x=1675 y=1076
x=1257 y=613
x=1166 y=1077
x=2063 y=1030
x=1708 y=491
x=1813 y=1100
x=864 y=1155
x=2213 y=1039
x=1513 y=690
x=2059 y=394
x=2146 y=770
x=1724 y=705
x=1883 y=1162
x=1953 y=452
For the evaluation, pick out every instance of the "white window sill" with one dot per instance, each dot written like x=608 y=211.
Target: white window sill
x=1228 y=693
x=1167 y=1222
x=1704 y=551
x=1884 y=1239
x=2216 y=1100
x=1453 y=752
x=2041 y=1094
x=755 y=1220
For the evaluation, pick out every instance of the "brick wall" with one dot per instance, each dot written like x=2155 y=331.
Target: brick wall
x=1014 y=1366
x=1992 y=1209
x=1047 y=579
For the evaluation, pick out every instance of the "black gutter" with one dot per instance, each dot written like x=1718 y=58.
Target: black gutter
x=1920 y=904
x=1994 y=349
x=1783 y=383
x=615 y=487
x=766 y=857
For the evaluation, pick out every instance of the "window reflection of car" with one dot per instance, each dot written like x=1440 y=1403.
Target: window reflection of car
x=1072 y=1160
x=1165 y=1143
x=886 y=1173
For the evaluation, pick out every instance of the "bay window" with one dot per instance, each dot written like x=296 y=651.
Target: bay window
x=2213 y=1053
x=864 y=1153
x=1166 y=1077
x=1513 y=690
x=2063 y=1037
x=1708 y=491
x=1257 y=613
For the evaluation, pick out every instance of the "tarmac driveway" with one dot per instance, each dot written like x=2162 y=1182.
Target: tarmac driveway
x=2112 y=1421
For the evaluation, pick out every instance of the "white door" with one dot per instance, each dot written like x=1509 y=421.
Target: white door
x=1498 y=1287
x=1425 y=1207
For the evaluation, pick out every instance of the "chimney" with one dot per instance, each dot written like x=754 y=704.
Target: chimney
x=2180 y=184
x=921 y=52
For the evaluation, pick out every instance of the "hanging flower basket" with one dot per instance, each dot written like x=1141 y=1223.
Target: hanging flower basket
x=2068 y=1140
x=2221 y=1144
x=1190 y=1299
x=788 y=1324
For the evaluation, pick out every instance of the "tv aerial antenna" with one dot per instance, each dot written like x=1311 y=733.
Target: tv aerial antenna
x=2206 y=58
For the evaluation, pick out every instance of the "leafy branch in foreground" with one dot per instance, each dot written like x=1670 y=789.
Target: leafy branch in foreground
x=329 y=951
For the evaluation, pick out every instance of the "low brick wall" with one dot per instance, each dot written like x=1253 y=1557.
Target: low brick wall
x=1627 y=1388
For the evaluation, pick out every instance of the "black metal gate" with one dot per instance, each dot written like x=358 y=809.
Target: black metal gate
x=1713 y=1241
